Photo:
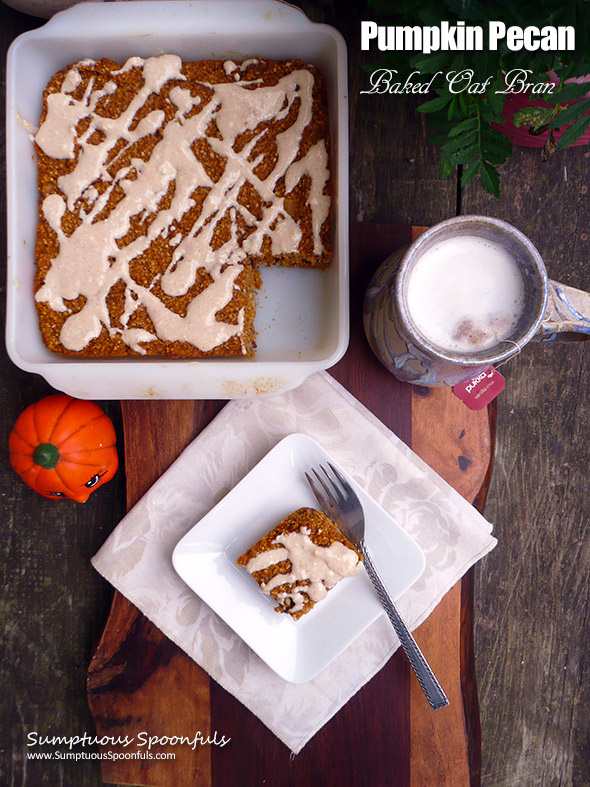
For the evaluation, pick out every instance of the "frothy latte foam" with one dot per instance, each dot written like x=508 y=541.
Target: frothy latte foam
x=465 y=294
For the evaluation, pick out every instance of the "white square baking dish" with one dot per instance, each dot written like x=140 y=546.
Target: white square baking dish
x=302 y=318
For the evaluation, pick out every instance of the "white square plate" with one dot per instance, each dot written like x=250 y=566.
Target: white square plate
x=206 y=556
x=302 y=319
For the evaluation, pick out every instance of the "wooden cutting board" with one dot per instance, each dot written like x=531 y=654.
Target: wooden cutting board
x=138 y=681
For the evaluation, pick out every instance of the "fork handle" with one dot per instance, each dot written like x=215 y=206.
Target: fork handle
x=426 y=677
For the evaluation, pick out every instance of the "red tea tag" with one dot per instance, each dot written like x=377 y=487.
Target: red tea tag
x=481 y=389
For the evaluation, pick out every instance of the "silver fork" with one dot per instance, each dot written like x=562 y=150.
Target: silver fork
x=339 y=502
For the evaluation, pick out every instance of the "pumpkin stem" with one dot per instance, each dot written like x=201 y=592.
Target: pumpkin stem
x=46 y=455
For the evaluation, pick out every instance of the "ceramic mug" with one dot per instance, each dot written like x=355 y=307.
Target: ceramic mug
x=549 y=311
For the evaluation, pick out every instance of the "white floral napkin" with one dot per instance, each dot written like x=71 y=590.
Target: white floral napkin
x=451 y=533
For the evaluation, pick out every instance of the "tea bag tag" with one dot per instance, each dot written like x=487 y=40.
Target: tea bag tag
x=478 y=392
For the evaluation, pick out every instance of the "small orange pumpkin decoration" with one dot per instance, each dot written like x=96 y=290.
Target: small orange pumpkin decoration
x=64 y=447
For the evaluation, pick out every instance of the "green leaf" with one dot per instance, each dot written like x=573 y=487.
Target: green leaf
x=470 y=172
x=460 y=154
x=463 y=156
x=439 y=139
x=573 y=133
x=570 y=92
x=464 y=104
x=564 y=70
x=446 y=168
x=435 y=104
x=462 y=141
x=498 y=148
x=492 y=135
x=453 y=117
x=495 y=158
x=533 y=116
x=573 y=112
x=452 y=109
x=464 y=125
x=490 y=179
x=496 y=100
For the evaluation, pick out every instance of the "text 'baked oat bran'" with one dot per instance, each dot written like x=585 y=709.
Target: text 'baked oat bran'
x=163 y=186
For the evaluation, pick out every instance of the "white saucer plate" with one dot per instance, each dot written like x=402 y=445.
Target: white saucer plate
x=206 y=556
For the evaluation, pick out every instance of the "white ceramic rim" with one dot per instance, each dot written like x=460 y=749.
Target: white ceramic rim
x=205 y=559
x=484 y=357
x=143 y=378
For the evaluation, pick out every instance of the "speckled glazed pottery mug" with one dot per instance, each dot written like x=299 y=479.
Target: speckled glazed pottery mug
x=547 y=310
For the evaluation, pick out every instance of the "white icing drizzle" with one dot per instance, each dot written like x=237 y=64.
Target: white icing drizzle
x=30 y=128
x=90 y=194
x=235 y=108
x=314 y=161
x=321 y=567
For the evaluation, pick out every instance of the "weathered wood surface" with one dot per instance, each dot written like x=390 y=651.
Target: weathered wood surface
x=138 y=679
x=532 y=595
x=531 y=599
x=53 y=604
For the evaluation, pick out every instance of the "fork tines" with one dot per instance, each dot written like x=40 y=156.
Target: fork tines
x=331 y=490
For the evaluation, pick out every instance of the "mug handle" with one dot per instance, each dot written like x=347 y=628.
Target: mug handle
x=567 y=314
